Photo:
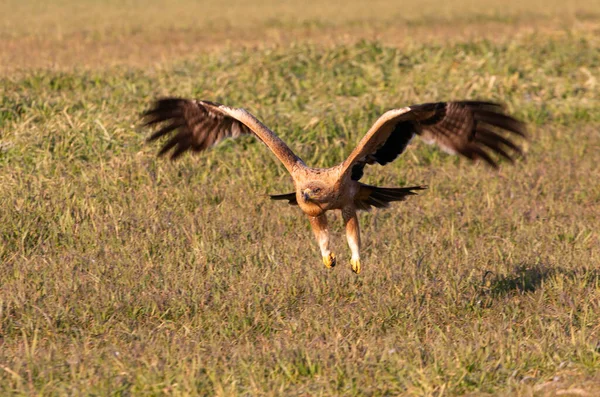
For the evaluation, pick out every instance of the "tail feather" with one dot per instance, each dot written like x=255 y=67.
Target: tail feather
x=381 y=197
x=367 y=197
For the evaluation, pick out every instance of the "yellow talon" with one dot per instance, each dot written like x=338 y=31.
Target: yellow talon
x=355 y=263
x=329 y=260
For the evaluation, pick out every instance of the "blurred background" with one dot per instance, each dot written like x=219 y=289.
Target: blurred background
x=68 y=33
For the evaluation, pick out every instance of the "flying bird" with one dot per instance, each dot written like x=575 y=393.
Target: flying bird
x=473 y=129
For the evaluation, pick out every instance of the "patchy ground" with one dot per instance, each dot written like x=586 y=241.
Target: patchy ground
x=124 y=274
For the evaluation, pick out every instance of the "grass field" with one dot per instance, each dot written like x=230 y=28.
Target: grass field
x=129 y=275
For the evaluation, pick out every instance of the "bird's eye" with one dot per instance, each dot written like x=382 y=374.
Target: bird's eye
x=317 y=190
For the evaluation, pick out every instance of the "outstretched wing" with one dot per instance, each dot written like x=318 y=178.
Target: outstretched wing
x=203 y=124
x=474 y=129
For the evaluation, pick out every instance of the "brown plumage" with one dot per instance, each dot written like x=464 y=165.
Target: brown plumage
x=473 y=129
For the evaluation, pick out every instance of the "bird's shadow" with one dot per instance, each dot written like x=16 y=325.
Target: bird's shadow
x=526 y=278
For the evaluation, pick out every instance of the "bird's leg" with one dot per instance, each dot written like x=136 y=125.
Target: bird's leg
x=353 y=236
x=319 y=226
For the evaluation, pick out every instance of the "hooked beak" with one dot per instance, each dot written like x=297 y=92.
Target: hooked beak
x=307 y=194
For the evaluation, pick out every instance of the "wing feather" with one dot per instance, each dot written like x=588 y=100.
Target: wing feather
x=470 y=128
x=203 y=124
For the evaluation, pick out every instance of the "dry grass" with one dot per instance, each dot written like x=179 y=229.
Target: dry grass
x=123 y=274
x=71 y=34
x=111 y=17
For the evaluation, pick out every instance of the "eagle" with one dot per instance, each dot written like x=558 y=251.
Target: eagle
x=477 y=130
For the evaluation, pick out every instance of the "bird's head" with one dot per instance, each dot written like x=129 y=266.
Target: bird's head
x=315 y=192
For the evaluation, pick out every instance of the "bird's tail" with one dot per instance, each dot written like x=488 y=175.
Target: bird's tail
x=381 y=197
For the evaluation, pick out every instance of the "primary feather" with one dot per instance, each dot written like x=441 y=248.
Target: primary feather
x=200 y=125
x=474 y=129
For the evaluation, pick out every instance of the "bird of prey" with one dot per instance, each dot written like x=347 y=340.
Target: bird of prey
x=474 y=129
